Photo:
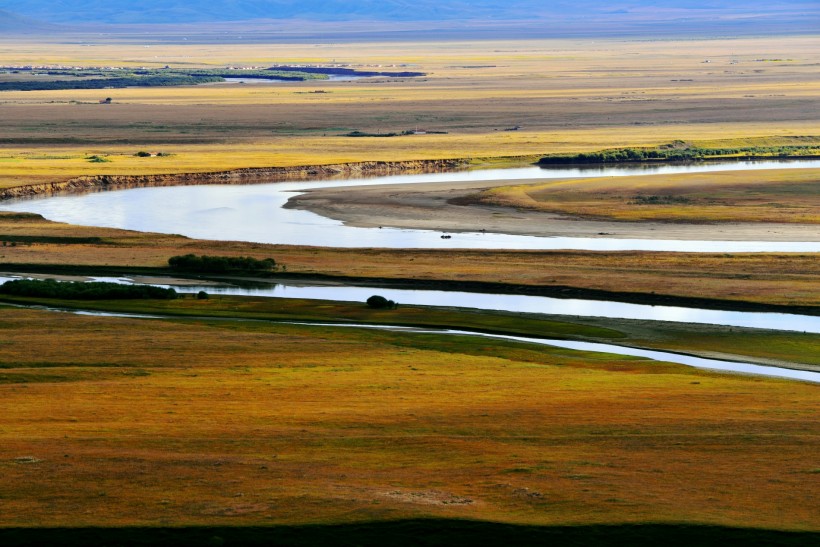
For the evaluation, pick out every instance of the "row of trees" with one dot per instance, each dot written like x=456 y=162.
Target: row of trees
x=220 y=264
x=625 y=155
x=96 y=290
x=104 y=83
x=99 y=78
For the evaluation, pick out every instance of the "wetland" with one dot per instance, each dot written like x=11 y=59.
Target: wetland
x=296 y=412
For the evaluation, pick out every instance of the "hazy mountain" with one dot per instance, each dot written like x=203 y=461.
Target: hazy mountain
x=191 y=11
x=11 y=23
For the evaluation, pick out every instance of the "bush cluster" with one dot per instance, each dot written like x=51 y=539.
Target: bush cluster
x=625 y=155
x=96 y=290
x=659 y=200
x=378 y=302
x=220 y=264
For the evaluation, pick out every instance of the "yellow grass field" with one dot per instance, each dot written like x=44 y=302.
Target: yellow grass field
x=564 y=95
x=156 y=422
x=749 y=196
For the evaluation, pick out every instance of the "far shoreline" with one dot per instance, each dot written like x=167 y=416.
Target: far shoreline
x=271 y=174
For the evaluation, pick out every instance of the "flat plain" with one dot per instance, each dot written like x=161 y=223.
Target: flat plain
x=217 y=414
x=160 y=422
x=494 y=100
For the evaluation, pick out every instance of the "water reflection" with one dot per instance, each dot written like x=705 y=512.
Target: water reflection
x=499 y=302
x=255 y=213
x=532 y=304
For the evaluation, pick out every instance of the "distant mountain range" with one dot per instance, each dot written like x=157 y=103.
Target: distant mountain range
x=11 y=23
x=192 y=11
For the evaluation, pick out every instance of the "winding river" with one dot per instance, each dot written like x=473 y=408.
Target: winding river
x=255 y=213
x=497 y=302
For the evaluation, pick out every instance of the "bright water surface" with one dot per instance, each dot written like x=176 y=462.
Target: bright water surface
x=502 y=302
x=330 y=78
x=526 y=303
x=255 y=213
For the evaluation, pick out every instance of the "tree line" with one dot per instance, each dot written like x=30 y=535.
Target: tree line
x=626 y=155
x=117 y=78
x=220 y=264
x=95 y=290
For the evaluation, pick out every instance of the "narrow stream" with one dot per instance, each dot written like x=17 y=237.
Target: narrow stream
x=488 y=301
x=689 y=360
x=679 y=358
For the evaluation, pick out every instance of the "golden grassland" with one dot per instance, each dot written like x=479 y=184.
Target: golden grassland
x=786 y=349
x=175 y=422
x=749 y=196
x=789 y=279
x=261 y=423
x=566 y=96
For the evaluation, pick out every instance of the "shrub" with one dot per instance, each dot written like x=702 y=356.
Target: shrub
x=676 y=151
x=378 y=302
x=96 y=290
x=202 y=295
x=220 y=264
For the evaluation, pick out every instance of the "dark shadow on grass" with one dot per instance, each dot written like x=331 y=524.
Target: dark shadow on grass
x=419 y=532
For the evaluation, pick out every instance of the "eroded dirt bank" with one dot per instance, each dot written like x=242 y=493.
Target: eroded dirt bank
x=92 y=183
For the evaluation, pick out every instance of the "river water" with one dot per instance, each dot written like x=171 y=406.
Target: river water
x=258 y=81
x=255 y=213
x=497 y=302
x=523 y=303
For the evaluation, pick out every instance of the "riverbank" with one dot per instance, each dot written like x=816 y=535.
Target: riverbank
x=761 y=281
x=166 y=276
x=96 y=183
x=781 y=349
x=463 y=207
